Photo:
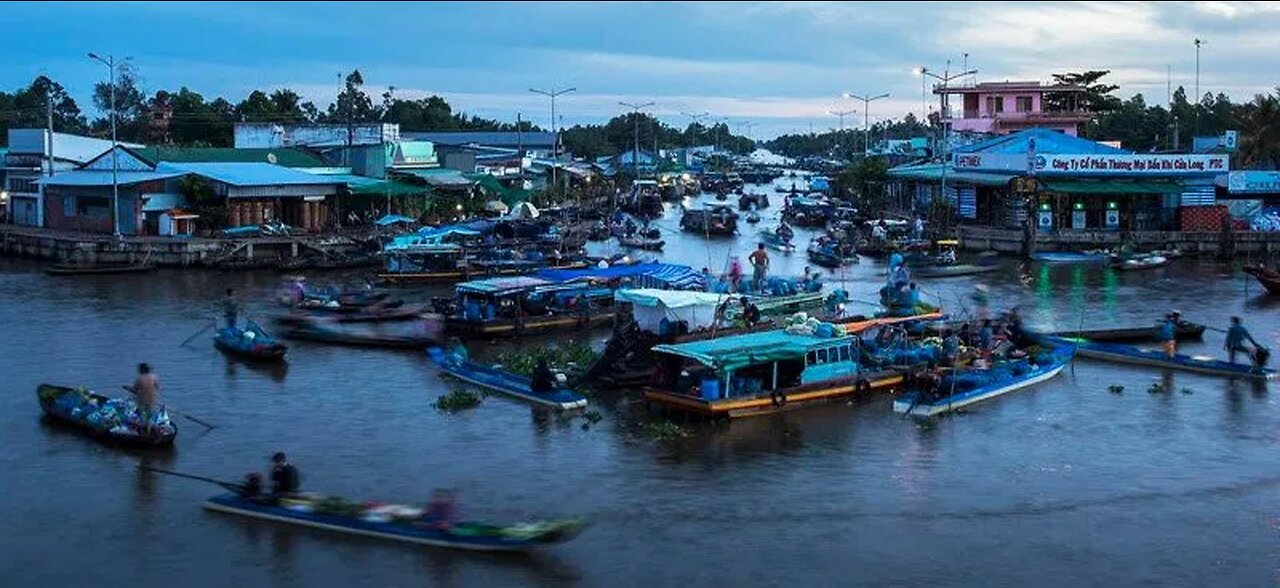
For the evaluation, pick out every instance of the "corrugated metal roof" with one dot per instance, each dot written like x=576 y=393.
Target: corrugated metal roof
x=81 y=177
x=286 y=157
x=487 y=138
x=932 y=172
x=1048 y=142
x=440 y=177
x=249 y=174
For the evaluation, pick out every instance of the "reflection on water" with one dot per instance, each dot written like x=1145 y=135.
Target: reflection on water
x=854 y=487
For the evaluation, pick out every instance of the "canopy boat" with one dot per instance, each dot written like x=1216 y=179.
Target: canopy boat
x=1070 y=257
x=499 y=307
x=1140 y=263
x=1269 y=278
x=753 y=201
x=1186 y=330
x=716 y=219
x=642 y=243
x=250 y=343
x=403 y=335
x=111 y=420
x=781 y=242
x=397 y=523
x=808 y=212
x=963 y=387
x=1155 y=358
x=770 y=371
x=953 y=270
x=425 y=263
x=492 y=378
x=85 y=269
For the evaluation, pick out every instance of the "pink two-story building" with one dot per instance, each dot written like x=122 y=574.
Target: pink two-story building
x=1007 y=107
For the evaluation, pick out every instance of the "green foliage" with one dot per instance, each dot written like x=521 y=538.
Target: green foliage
x=846 y=145
x=204 y=202
x=863 y=182
x=27 y=108
x=130 y=102
x=457 y=400
x=565 y=357
x=619 y=136
x=1156 y=388
x=1115 y=389
x=666 y=431
x=1188 y=391
x=1096 y=97
x=353 y=104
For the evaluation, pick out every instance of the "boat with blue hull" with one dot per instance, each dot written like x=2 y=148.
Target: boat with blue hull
x=1155 y=358
x=404 y=524
x=250 y=343
x=498 y=380
x=1069 y=257
x=972 y=386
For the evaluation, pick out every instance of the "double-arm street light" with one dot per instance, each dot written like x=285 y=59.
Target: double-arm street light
x=866 y=117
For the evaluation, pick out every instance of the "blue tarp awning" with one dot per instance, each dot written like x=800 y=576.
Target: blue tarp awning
x=392 y=219
x=650 y=274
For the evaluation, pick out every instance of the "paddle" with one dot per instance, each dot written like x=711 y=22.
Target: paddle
x=197 y=334
x=232 y=486
x=175 y=411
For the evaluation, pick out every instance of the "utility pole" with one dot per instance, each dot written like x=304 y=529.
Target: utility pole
x=943 y=114
x=635 y=123
x=867 y=99
x=694 y=127
x=1199 y=42
x=110 y=62
x=555 y=133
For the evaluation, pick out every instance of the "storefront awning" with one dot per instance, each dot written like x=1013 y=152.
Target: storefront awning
x=1113 y=186
x=933 y=172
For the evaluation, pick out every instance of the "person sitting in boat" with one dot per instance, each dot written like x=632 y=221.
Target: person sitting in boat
x=913 y=296
x=950 y=347
x=750 y=312
x=879 y=233
x=440 y=510
x=986 y=338
x=1236 y=336
x=1167 y=334
x=784 y=232
x=251 y=488
x=1013 y=324
x=947 y=256
x=543 y=380
x=285 y=480
x=458 y=350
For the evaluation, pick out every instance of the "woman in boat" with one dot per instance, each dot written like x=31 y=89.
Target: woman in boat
x=285 y=480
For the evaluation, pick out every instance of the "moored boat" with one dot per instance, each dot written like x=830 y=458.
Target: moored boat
x=1140 y=263
x=716 y=219
x=110 y=420
x=960 y=388
x=250 y=343
x=953 y=270
x=1199 y=364
x=398 y=523
x=1269 y=278
x=405 y=335
x=76 y=269
x=642 y=243
x=502 y=381
x=778 y=239
x=1069 y=257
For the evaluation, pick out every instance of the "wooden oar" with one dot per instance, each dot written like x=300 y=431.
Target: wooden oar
x=175 y=411
x=232 y=486
x=197 y=334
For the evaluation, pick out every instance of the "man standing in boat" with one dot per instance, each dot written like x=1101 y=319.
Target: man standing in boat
x=147 y=390
x=230 y=308
x=1236 y=336
x=1168 y=333
x=760 y=266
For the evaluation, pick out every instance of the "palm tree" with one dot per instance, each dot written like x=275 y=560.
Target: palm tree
x=1260 y=124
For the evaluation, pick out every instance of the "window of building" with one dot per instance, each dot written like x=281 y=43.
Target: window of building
x=995 y=104
x=1024 y=104
x=93 y=206
x=23 y=185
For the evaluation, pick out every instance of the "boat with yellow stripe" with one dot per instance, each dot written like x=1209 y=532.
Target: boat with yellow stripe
x=767 y=372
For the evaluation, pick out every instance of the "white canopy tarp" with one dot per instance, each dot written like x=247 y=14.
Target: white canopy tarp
x=524 y=210
x=650 y=306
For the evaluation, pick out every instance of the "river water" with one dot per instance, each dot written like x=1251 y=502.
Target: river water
x=1063 y=484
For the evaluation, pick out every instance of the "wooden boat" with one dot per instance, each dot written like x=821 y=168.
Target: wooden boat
x=1068 y=257
x=1186 y=330
x=995 y=381
x=774 y=371
x=771 y=240
x=1140 y=263
x=752 y=218
x=73 y=407
x=250 y=343
x=507 y=307
x=642 y=243
x=1199 y=364
x=367 y=315
x=954 y=270
x=75 y=269
x=406 y=338
x=715 y=219
x=398 y=523
x=829 y=256
x=505 y=382
x=1269 y=278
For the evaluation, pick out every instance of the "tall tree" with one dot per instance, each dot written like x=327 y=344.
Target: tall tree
x=1260 y=143
x=28 y=108
x=353 y=104
x=130 y=103
x=1096 y=96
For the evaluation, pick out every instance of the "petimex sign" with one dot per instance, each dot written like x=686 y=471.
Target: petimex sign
x=1101 y=165
x=1254 y=182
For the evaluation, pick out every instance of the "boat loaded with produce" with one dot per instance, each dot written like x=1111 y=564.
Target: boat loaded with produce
x=112 y=420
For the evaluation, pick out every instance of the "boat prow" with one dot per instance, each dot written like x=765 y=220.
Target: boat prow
x=505 y=382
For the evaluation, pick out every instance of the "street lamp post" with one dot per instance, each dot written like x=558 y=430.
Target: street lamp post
x=1199 y=43
x=555 y=133
x=110 y=62
x=943 y=113
x=866 y=117
x=841 y=114
x=635 y=121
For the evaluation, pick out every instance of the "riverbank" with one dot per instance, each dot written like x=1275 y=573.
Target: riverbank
x=1012 y=241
